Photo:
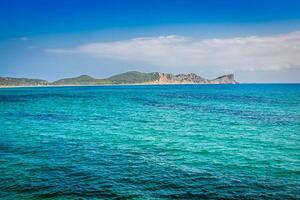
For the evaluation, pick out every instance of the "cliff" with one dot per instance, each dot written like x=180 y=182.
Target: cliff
x=226 y=79
x=193 y=79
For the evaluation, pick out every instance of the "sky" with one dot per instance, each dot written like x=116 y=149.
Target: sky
x=257 y=40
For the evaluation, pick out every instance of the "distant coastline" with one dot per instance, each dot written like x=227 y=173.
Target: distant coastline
x=128 y=78
x=108 y=85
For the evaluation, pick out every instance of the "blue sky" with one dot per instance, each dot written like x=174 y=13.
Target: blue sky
x=52 y=39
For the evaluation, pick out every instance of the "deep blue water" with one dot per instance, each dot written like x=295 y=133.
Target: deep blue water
x=151 y=142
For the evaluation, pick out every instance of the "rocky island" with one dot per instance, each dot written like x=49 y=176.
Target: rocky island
x=132 y=77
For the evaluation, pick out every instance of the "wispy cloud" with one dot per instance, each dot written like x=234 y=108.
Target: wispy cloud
x=23 y=38
x=241 y=53
x=32 y=47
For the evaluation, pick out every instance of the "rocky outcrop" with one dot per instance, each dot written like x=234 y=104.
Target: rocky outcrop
x=226 y=79
x=192 y=78
x=165 y=78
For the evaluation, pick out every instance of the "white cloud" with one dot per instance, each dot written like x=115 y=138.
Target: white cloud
x=231 y=54
x=23 y=38
x=32 y=47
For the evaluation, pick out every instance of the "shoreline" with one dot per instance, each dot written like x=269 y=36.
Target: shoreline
x=131 y=84
x=134 y=84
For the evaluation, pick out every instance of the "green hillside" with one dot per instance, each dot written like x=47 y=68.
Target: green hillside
x=8 y=81
x=80 y=80
x=124 y=78
x=133 y=77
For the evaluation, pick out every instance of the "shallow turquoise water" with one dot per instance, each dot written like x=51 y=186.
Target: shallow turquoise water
x=151 y=142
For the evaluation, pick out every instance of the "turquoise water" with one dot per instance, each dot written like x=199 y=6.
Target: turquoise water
x=150 y=142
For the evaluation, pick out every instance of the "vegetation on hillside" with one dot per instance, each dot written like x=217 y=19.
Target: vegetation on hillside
x=124 y=78
x=8 y=81
x=133 y=77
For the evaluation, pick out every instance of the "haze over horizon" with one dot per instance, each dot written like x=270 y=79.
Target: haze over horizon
x=258 y=41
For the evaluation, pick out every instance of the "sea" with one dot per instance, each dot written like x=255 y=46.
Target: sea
x=237 y=141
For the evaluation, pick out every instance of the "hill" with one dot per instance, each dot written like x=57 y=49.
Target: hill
x=8 y=81
x=133 y=77
x=80 y=80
